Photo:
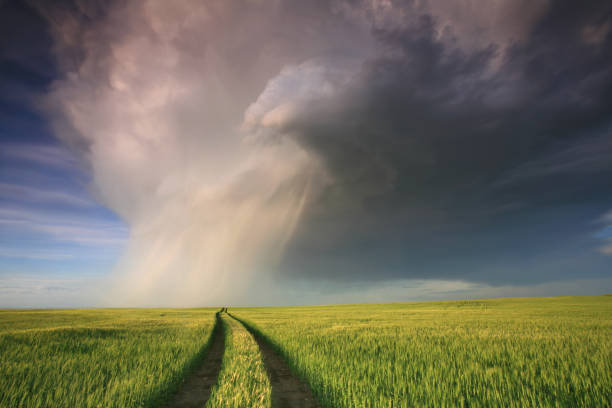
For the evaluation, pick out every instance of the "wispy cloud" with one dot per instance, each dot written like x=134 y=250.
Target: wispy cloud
x=61 y=290
x=414 y=290
x=47 y=218
x=42 y=154
x=590 y=156
x=76 y=229
x=607 y=217
x=36 y=254
x=606 y=249
x=43 y=195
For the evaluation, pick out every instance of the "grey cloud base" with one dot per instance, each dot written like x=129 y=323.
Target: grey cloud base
x=343 y=141
x=489 y=164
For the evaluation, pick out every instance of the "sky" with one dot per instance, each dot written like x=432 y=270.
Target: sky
x=249 y=152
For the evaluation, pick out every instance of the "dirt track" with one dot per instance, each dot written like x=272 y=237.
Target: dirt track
x=196 y=388
x=288 y=391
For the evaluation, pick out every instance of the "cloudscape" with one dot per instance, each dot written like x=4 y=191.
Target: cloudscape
x=247 y=152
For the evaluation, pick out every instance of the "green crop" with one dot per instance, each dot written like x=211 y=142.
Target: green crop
x=243 y=381
x=550 y=352
x=98 y=358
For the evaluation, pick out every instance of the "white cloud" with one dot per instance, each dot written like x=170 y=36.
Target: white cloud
x=63 y=228
x=43 y=195
x=59 y=291
x=28 y=253
x=293 y=92
x=48 y=155
x=161 y=116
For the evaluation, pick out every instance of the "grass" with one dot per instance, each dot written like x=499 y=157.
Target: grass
x=547 y=352
x=243 y=381
x=98 y=358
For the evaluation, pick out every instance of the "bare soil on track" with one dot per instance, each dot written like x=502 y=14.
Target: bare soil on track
x=195 y=389
x=288 y=391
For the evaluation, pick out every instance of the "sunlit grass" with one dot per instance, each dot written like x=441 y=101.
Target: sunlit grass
x=507 y=352
x=243 y=381
x=98 y=358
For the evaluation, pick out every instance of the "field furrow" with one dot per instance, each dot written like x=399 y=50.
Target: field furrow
x=242 y=381
x=288 y=391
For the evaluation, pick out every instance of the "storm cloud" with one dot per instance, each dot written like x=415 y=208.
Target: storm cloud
x=251 y=144
x=482 y=157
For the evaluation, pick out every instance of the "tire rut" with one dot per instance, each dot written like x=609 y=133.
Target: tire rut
x=288 y=391
x=195 y=390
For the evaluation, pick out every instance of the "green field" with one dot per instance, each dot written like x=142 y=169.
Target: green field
x=539 y=352
x=98 y=358
x=503 y=353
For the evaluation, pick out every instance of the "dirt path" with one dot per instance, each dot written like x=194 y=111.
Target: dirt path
x=195 y=390
x=288 y=391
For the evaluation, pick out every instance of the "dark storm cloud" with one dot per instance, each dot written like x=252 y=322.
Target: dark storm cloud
x=361 y=142
x=485 y=163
